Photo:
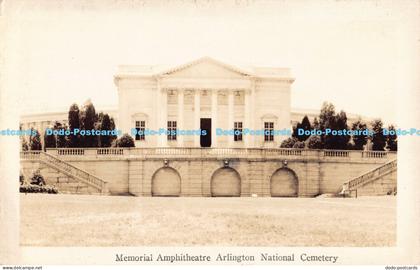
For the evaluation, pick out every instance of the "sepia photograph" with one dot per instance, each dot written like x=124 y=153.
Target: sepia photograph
x=218 y=132
x=176 y=161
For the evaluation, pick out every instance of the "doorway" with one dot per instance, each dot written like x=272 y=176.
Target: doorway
x=205 y=124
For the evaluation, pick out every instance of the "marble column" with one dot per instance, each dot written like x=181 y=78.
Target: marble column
x=246 y=123
x=158 y=121
x=252 y=142
x=164 y=117
x=214 y=124
x=180 y=121
x=197 y=116
x=231 y=113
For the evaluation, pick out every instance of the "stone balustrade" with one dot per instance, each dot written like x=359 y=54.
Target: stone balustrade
x=132 y=169
x=192 y=152
x=66 y=167
x=369 y=176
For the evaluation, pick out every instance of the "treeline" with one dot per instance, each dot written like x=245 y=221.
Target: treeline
x=329 y=119
x=34 y=141
x=85 y=118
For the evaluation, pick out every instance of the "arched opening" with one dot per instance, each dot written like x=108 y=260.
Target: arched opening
x=226 y=182
x=284 y=183
x=166 y=182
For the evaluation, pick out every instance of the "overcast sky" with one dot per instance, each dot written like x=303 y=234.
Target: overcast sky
x=340 y=51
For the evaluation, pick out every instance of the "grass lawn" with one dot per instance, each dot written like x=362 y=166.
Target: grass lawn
x=83 y=220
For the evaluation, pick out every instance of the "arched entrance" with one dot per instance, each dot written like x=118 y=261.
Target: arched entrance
x=166 y=182
x=284 y=183
x=226 y=182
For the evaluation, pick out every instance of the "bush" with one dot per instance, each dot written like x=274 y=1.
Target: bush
x=299 y=145
x=38 y=189
x=37 y=185
x=21 y=179
x=37 y=179
x=288 y=143
x=314 y=142
x=125 y=141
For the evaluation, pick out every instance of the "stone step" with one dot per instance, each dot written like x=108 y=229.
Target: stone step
x=382 y=180
x=73 y=189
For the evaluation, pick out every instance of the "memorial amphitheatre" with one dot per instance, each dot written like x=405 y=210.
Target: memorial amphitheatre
x=212 y=190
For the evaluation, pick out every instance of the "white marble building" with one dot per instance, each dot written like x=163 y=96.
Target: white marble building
x=253 y=97
x=206 y=94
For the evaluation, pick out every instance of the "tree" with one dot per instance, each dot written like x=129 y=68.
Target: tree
x=359 y=140
x=96 y=140
x=316 y=123
x=87 y=119
x=314 y=142
x=74 y=123
x=35 y=142
x=305 y=125
x=327 y=119
x=50 y=141
x=24 y=144
x=288 y=143
x=295 y=130
x=113 y=137
x=99 y=117
x=341 y=141
x=61 y=139
x=378 y=137
x=326 y=115
x=105 y=140
x=391 y=139
x=125 y=141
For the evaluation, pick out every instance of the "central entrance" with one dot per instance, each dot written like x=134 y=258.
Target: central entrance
x=205 y=124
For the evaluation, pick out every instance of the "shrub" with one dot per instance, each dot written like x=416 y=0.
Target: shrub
x=378 y=137
x=37 y=179
x=314 y=142
x=38 y=189
x=299 y=145
x=125 y=141
x=35 y=141
x=288 y=143
x=21 y=179
x=24 y=144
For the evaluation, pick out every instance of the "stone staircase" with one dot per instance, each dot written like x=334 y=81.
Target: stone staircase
x=65 y=177
x=382 y=180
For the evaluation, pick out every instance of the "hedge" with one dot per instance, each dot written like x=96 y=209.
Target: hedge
x=38 y=189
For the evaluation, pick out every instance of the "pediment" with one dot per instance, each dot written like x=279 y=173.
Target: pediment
x=205 y=68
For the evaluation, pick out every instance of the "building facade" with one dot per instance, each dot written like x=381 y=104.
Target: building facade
x=208 y=95
x=204 y=94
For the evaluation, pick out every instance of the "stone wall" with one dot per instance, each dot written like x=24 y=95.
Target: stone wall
x=133 y=172
x=384 y=185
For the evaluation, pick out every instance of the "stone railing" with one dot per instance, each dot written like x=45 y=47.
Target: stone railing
x=223 y=152
x=30 y=155
x=66 y=168
x=371 y=175
x=336 y=153
x=110 y=151
x=374 y=154
x=71 y=151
